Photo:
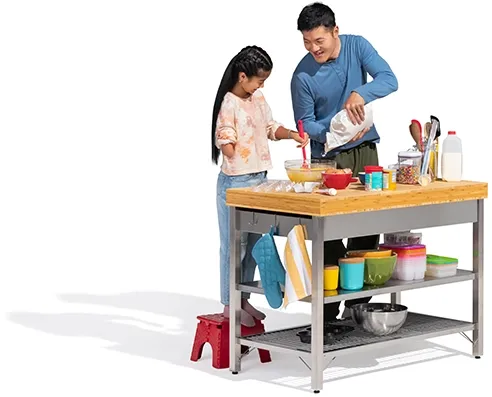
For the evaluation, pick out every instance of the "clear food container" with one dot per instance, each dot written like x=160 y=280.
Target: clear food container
x=411 y=263
x=441 y=266
x=409 y=164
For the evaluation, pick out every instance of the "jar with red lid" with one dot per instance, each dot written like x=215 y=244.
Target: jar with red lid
x=373 y=177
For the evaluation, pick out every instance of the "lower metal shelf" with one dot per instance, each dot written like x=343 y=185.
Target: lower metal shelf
x=417 y=326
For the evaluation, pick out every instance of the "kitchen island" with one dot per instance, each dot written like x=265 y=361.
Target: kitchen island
x=355 y=212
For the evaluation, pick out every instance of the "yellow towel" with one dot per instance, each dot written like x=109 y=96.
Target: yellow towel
x=297 y=266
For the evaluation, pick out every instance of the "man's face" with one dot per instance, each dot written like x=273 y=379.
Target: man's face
x=321 y=42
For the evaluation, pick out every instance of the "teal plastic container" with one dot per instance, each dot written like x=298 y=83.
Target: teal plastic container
x=351 y=273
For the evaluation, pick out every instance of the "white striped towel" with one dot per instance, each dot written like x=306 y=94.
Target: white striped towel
x=297 y=266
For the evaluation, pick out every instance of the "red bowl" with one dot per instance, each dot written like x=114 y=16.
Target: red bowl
x=337 y=181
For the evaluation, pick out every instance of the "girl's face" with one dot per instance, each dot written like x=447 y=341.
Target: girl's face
x=251 y=84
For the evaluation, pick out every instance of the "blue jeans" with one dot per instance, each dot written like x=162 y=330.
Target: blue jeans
x=248 y=240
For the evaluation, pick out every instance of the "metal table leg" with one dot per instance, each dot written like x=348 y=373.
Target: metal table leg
x=317 y=305
x=478 y=249
x=235 y=294
x=396 y=297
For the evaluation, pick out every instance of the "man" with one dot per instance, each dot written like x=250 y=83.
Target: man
x=333 y=76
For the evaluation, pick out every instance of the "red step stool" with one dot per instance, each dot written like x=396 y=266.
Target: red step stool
x=214 y=329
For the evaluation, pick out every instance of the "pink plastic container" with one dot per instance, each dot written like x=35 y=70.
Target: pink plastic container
x=411 y=263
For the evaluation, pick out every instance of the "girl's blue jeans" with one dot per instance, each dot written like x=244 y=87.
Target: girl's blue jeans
x=248 y=240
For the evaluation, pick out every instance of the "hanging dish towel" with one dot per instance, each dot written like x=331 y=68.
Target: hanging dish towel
x=297 y=265
x=272 y=272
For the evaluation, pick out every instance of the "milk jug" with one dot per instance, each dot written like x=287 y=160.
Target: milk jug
x=452 y=158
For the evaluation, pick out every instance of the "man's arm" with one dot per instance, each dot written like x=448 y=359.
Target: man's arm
x=384 y=80
x=303 y=106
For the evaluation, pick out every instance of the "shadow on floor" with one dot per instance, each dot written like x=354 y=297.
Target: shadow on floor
x=131 y=335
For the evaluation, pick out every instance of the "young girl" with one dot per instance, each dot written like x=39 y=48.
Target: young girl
x=242 y=124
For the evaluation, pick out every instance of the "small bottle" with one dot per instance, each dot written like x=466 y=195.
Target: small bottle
x=452 y=158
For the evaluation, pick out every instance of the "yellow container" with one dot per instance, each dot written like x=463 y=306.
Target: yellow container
x=389 y=179
x=331 y=278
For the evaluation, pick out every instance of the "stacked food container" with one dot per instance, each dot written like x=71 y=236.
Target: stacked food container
x=441 y=266
x=411 y=261
x=414 y=263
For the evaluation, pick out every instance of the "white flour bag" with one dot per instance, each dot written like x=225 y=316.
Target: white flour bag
x=342 y=130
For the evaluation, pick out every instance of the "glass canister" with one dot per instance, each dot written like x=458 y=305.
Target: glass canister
x=409 y=164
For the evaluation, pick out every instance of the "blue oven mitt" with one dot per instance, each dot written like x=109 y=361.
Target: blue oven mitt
x=272 y=272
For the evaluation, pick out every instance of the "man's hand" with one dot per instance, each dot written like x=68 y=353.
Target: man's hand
x=360 y=134
x=355 y=108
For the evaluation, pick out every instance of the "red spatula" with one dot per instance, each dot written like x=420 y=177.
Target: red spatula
x=300 y=128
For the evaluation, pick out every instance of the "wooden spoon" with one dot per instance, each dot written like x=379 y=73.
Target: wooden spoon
x=416 y=132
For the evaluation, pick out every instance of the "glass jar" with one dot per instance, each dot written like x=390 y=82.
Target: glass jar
x=409 y=164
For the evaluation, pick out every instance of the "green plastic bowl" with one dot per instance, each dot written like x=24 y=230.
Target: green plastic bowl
x=378 y=271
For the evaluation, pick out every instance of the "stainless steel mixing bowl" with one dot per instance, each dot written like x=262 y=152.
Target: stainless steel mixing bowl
x=379 y=318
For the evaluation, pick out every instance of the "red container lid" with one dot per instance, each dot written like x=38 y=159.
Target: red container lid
x=372 y=168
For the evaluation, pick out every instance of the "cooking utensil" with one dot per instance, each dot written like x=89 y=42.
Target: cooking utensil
x=330 y=332
x=416 y=132
x=379 y=318
x=432 y=135
x=438 y=131
x=300 y=128
x=427 y=130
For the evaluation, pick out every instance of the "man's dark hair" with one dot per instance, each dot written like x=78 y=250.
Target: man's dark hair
x=315 y=15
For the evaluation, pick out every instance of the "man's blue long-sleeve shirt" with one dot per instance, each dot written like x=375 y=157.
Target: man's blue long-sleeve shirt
x=319 y=91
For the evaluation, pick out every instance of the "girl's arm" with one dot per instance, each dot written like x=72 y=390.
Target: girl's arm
x=225 y=133
x=277 y=131
x=284 y=133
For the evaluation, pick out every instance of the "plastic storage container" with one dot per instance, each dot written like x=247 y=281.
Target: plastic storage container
x=441 y=266
x=403 y=238
x=351 y=273
x=389 y=179
x=374 y=177
x=452 y=158
x=411 y=263
x=409 y=164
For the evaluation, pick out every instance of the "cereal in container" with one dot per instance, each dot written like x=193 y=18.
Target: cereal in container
x=409 y=164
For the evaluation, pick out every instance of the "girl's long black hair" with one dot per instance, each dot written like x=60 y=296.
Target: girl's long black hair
x=249 y=60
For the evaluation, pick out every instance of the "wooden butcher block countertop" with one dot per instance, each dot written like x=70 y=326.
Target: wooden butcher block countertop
x=356 y=199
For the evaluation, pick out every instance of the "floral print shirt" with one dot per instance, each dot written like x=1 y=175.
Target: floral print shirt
x=248 y=124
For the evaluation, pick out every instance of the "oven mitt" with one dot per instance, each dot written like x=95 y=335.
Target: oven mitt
x=272 y=272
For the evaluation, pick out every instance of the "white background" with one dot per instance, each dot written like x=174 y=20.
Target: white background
x=108 y=231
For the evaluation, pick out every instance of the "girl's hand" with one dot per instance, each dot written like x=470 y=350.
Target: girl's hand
x=302 y=141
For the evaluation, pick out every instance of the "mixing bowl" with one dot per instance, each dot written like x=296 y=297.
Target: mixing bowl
x=337 y=181
x=379 y=270
x=312 y=173
x=379 y=318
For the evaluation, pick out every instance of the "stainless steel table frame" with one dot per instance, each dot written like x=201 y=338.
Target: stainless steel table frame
x=334 y=227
